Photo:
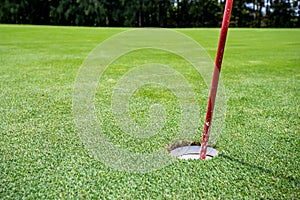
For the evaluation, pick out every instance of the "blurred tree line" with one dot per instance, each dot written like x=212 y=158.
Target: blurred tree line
x=150 y=13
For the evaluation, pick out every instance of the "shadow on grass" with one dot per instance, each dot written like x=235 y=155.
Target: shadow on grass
x=259 y=168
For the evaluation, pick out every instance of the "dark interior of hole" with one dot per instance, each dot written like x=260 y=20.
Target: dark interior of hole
x=182 y=144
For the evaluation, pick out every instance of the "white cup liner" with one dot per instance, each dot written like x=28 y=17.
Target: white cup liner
x=192 y=152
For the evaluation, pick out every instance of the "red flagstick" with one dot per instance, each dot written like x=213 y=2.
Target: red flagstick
x=215 y=79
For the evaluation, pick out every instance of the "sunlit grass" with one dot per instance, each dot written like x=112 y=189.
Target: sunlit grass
x=41 y=155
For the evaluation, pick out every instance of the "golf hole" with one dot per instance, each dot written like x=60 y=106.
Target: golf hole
x=187 y=151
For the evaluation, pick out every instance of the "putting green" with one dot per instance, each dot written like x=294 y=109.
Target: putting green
x=41 y=153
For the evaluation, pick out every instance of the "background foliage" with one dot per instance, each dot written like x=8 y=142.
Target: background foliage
x=150 y=13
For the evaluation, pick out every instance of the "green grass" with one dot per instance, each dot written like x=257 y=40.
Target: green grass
x=41 y=156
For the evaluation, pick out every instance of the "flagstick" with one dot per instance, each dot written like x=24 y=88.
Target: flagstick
x=215 y=79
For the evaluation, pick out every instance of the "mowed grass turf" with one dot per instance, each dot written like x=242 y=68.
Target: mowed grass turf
x=42 y=157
